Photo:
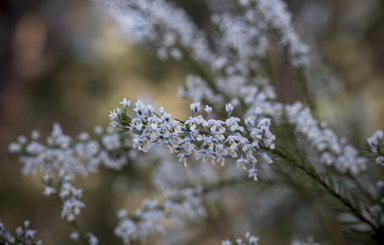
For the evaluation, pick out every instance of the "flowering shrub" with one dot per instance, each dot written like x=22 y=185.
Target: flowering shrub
x=243 y=124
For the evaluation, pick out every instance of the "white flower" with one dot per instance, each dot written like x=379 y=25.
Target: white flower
x=375 y=140
x=232 y=123
x=183 y=158
x=195 y=107
x=98 y=130
x=193 y=122
x=140 y=109
x=241 y=162
x=75 y=236
x=138 y=123
x=229 y=109
x=14 y=148
x=253 y=173
x=253 y=240
x=35 y=135
x=226 y=242
x=208 y=110
x=176 y=54
x=22 y=139
x=146 y=145
x=161 y=110
x=49 y=191
x=154 y=121
x=266 y=158
x=126 y=103
x=113 y=115
x=380 y=160
x=150 y=110
x=84 y=136
x=92 y=239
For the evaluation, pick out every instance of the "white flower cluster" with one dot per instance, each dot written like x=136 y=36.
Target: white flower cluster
x=240 y=45
x=333 y=150
x=235 y=85
x=196 y=89
x=63 y=154
x=242 y=36
x=375 y=143
x=239 y=35
x=174 y=34
x=276 y=16
x=186 y=203
x=210 y=140
x=229 y=73
x=62 y=158
x=178 y=33
x=249 y=240
x=68 y=195
x=26 y=235
x=170 y=175
x=239 y=90
x=23 y=235
x=232 y=56
x=5 y=236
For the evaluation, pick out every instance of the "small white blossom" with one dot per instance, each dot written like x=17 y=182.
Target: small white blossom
x=208 y=110
x=249 y=240
x=229 y=109
x=195 y=107
x=35 y=135
x=92 y=239
x=126 y=103
x=14 y=148
x=380 y=160
x=49 y=191
x=113 y=115
x=375 y=141
x=75 y=236
x=253 y=173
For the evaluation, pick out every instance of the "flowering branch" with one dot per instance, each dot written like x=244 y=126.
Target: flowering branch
x=24 y=236
x=212 y=140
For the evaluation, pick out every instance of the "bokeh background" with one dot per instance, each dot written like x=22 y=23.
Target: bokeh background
x=64 y=61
